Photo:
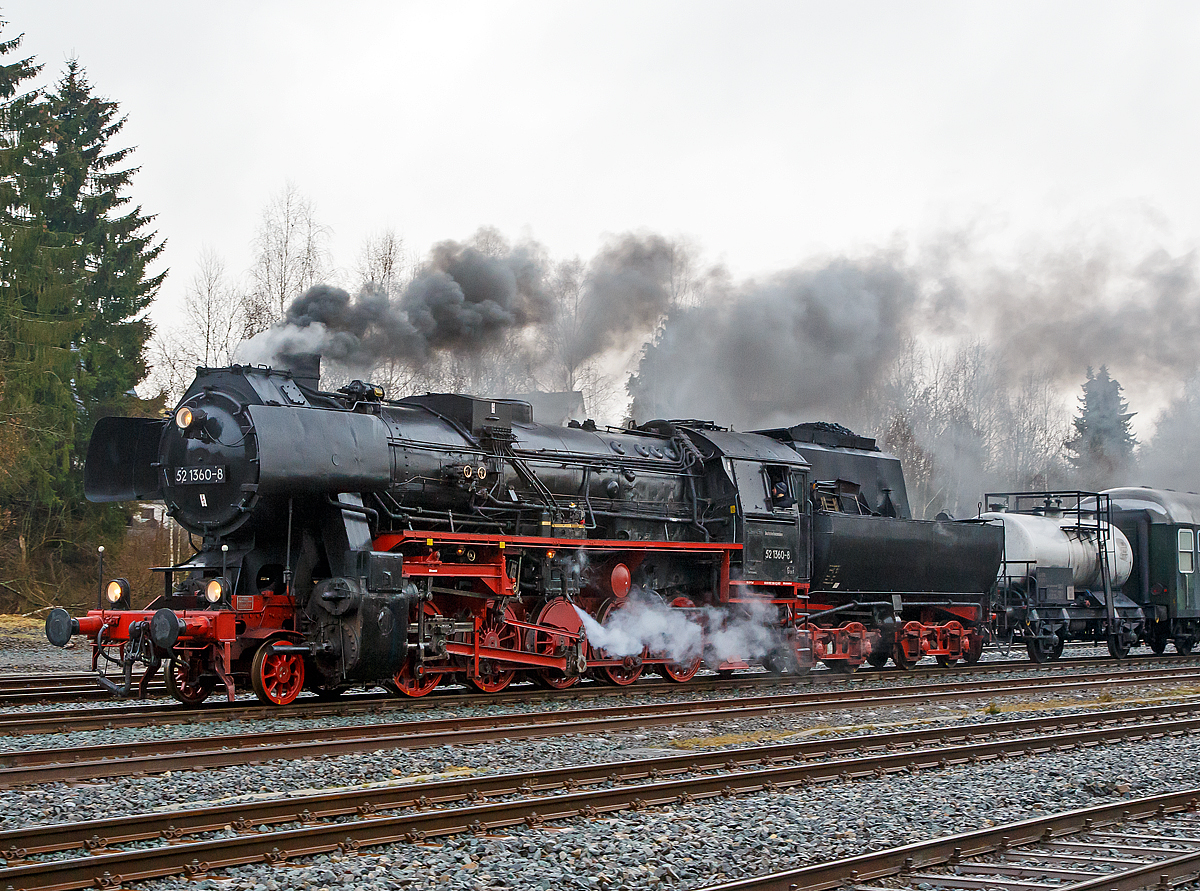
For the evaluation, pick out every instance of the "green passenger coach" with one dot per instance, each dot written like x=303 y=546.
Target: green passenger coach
x=1163 y=526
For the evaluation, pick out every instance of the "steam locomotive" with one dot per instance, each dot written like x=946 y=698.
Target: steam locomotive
x=349 y=540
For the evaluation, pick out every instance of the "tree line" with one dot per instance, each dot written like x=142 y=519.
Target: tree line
x=75 y=285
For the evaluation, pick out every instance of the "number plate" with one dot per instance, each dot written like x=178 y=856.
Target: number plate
x=198 y=476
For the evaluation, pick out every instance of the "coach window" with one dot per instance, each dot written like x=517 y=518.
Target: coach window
x=1186 y=562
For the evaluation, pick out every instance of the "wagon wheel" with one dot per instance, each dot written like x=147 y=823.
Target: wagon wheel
x=495 y=635
x=405 y=682
x=277 y=678
x=879 y=655
x=681 y=671
x=1041 y=651
x=1157 y=636
x=901 y=659
x=558 y=613
x=1184 y=644
x=900 y=655
x=1117 y=647
x=187 y=682
x=974 y=648
x=630 y=668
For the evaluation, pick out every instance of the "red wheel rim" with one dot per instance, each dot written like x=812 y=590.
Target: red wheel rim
x=631 y=667
x=555 y=614
x=189 y=686
x=681 y=671
x=496 y=635
x=282 y=676
x=405 y=682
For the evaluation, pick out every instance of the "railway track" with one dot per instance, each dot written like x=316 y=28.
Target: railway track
x=62 y=687
x=1151 y=842
x=20 y=723
x=23 y=767
x=195 y=842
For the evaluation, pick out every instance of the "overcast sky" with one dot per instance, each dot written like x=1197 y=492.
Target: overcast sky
x=767 y=132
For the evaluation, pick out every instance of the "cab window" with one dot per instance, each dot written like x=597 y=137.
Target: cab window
x=780 y=493
x=1186 y=561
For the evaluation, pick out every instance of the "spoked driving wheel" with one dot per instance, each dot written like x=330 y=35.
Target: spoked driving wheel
x=187 y=683
x=496 y=635
x=277 y=678
x=630 y=667
x=686 y=670
x=406 y=682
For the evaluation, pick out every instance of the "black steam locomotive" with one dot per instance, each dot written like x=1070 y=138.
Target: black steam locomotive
x=343 y=539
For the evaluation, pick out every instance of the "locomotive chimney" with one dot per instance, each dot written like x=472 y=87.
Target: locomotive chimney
x=305 y=368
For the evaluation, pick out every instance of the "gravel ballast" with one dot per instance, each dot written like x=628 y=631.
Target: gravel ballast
x=672 y=847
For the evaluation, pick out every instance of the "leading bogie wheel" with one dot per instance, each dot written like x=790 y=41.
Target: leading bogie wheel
x=277 y=678
x=186 y=684
x=1183 y=644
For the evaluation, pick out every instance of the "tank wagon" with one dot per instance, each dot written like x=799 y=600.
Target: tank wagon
x=1065 y=562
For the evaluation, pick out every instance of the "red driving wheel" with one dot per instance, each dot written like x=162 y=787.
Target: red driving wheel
x=630 y=668
x=492 y=678
x=406 y=682
x=277 y=678
x=681 y=671
x=557 y=613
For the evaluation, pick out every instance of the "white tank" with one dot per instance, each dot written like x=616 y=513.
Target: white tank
x=1059 y=542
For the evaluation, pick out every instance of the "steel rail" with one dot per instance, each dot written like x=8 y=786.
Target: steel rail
x=189 y=753
x=72 y=687
x=952 y=849
x=23 y=723
x=19 y=843
x=370 y=828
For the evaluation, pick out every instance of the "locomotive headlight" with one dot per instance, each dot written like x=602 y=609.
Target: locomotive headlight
x=190 y=419
x=116 y=591
x=215 y=590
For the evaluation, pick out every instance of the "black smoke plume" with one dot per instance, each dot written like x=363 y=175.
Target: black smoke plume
x=805 y=343
x=465 y=301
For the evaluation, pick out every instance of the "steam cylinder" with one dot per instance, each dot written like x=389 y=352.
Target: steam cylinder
x=1060 y=542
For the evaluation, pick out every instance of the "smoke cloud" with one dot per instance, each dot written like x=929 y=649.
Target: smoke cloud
x=646 y=623
x=465 y=301
x=806 y=342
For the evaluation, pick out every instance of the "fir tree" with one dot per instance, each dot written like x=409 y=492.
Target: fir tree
x=115 y=250
x=1102 y=449
x=74 y=287
x=37 y=412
